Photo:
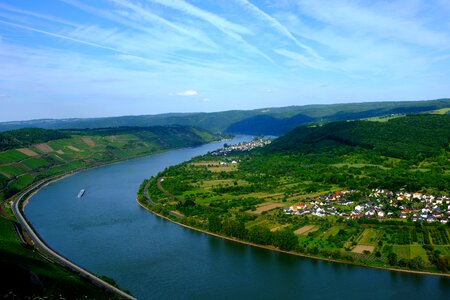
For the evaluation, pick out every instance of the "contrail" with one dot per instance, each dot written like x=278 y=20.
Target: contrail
x=65 y=37
x=278 y=26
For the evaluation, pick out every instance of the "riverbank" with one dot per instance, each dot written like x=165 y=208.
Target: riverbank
x=47 y=250
x=272 y=248
x=22 y=199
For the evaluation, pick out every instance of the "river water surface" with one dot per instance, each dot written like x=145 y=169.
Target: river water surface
x=108 y=233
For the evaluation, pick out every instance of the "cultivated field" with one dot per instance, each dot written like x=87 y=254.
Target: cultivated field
x=306 y=229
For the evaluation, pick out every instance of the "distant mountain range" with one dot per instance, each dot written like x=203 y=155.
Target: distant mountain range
x=267 y=121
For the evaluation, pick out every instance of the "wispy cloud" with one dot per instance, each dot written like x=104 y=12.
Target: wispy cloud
x=230 y=29
x=12 y=9
x=376 y=19
x=144 y=16
x=277 y=25
x=62 y=37
x=302 y=60
x=128 y=49
x=186 y=93
x=220 y=23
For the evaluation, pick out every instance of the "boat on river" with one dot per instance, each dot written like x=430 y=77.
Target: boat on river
x=81 y=193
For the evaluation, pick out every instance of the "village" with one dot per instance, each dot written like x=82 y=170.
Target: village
x=244 y=146
x=378 y=204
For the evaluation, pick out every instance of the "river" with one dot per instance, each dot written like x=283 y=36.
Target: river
x=108 y=233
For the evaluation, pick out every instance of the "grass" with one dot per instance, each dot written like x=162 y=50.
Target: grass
x=383 y=118
x=445 y=250
x=216 y=183
x=403 y=251
x=410 y=251
x=18 y=259
x=332 y=231
x=63 y=168
x=223 y=168
x=23 y=181
x=306 y=229
x=417 y=250
x=35 y=162
x=10 y=156
x=262 y=222
x=369 y=237
x=442 y=111
x=13 y=170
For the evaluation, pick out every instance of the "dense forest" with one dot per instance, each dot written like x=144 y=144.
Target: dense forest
x=342 y=190
x=415 y=136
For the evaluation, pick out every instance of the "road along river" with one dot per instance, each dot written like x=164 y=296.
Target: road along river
x=108 y=233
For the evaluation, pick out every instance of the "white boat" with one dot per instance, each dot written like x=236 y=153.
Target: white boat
x=81 y=193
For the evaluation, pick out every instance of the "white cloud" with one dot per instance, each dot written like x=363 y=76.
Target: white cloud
x=377 y=20
x=186 y=93
x=276 y=25
x=232 y=30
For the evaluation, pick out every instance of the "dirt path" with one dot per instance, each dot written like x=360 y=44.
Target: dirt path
x=266 y=207
x=306 y=229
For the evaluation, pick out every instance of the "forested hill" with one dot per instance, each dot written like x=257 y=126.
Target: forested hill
x=29 y=155
x=28 y=136
x=406 y=137
x=169 y=136
x=275 y=121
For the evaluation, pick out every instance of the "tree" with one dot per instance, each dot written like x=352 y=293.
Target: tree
x=416 y=263
x=260 y=235
x=214 y=223
x=234 y=228
x=392 y=258
x=285 y=239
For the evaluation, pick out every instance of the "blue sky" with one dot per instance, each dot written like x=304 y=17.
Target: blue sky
x=79 y=58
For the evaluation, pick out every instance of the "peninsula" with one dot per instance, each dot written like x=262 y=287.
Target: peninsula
x=370 y=192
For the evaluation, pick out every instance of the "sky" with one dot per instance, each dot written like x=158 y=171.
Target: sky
x=80 y=58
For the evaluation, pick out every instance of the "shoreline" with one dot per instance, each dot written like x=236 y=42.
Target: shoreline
x=48 y=252
x=19 y=201
x=46 y=181
x=272 y=248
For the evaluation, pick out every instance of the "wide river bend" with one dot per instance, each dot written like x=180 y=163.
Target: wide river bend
x=108 y=233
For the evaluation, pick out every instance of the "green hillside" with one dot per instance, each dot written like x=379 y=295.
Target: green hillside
x=266 y=121
x=27 y=136
x=403 y=137
x=30 y=155
x=371 y=192
x=40 y=153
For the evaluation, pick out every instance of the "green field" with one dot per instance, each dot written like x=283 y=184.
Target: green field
x=442 y=111
x=410 y=251
x=13 y=170
x=22 y=181
x=72 y=149
x=10 y=156
x=35 y=162
x=369 y=237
